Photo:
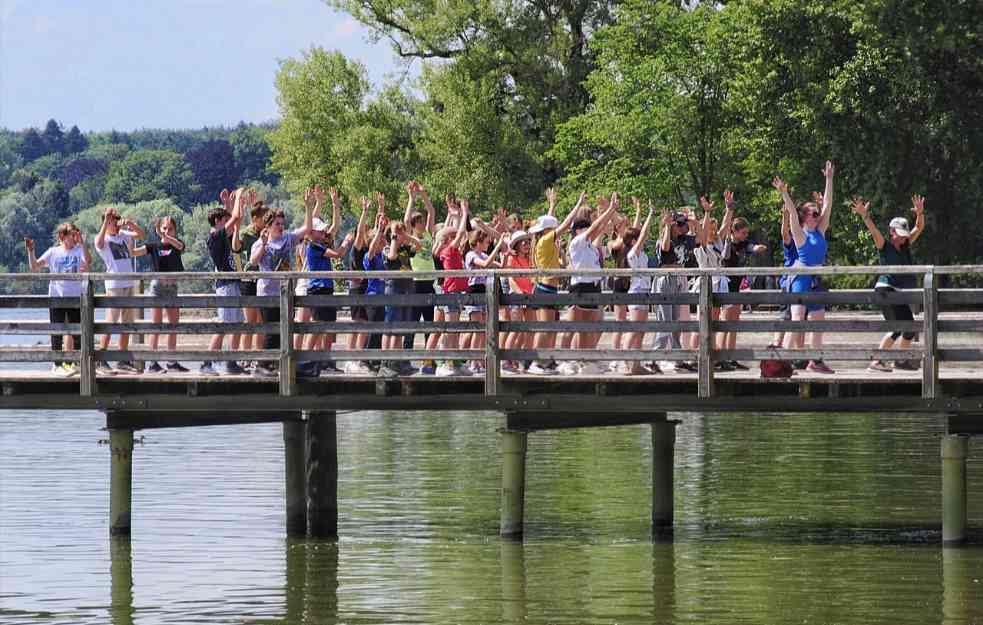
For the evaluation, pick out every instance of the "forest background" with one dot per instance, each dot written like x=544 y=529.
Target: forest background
x=664 y=100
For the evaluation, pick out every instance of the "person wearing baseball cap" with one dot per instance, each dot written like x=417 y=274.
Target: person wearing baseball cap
x=891 y=252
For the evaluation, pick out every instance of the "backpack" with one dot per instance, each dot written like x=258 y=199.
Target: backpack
x=773 y=368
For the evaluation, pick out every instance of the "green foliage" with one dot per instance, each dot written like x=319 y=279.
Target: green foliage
x=149 y=175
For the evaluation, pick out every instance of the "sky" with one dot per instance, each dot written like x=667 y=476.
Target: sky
x=129 y=64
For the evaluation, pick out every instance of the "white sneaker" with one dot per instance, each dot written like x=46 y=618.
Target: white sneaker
x=616 y=366
x=71 y=369
x=59 y=370
x=464 y=371
x=445 y=371
x=538 y=369
x=593 y=368
x=667 y=366
x=568 y=368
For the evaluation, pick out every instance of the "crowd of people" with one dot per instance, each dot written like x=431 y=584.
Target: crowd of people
x=246 y=235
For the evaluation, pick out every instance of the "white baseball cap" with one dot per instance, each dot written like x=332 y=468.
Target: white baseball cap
x=900 y=226
x=544 y=222
x=319 y=224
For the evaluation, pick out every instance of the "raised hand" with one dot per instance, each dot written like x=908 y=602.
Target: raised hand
x=265 y=235
x=335 y=197
x=380 y=200
x=707 y=205
x=728 y=199
x=860 y=207
x=364 y=201
x=29 y=244
x=917 y=204
x=319 y=194
x=828 y=170
x=348 y=239
x=817 y=197
x=780 y=185
x=551 y=196
x=224 y=196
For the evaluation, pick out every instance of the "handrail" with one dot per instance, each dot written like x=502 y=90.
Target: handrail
x=493 y=351
x=828 y=270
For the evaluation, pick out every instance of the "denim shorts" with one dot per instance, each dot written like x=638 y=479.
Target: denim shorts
x=163 y=288
x=229 y=315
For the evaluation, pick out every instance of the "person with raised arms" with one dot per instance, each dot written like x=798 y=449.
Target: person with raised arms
x=894 y=251
x=70 y=256
x=634 y=240
x=165 y=257
x=356 y=286
x=116 y=238
x=273 y=252
x=449 y=245
x=244 y=246
x=422 y=227
x=220 y=241
x=808 y=225
x=546 y=255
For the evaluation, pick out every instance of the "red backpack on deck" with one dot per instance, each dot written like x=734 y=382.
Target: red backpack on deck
x=773 y=368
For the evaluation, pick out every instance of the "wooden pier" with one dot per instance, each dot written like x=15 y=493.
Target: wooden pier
x=949 y=383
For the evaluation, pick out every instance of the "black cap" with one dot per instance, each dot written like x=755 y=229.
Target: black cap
x=580 y=224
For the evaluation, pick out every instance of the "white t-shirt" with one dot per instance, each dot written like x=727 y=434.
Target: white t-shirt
x=469 y=259
x=60 y=260
x=583 y=255
x=277 y=257
x=115 y=252
x=710 y=257
x=639 y=284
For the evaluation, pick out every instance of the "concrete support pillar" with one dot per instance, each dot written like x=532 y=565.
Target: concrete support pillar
x=663 y=444
x=513 y=482
x=120 y=481
x=955 y=448
x=322 y=474
x=121 y=581
x=295 y=476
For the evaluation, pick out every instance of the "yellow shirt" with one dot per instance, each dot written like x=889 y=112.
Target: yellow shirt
x=548 y=257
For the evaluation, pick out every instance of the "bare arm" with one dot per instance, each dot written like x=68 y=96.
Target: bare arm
x=729 y=207
x=462 y=226
x=551 y=201
x=572 y=215
x=259 y=248
x=101 y=235
x=342 y=250
x=379 y=241
x=798 y=234
x=431 y=212
x=596 y=229
x=335 y=212
x=32 y=260
x=642 y=234
x=411 y=200
x=827 y=211
x=360 y=228
x=918 y=207
x=309 y=207
x=236 y=216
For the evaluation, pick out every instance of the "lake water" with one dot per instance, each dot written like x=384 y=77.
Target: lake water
x=779 y=519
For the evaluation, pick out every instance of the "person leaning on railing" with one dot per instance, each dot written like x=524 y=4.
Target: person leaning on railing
x=70 y=256
x=113 y=243
x=220 y=241
x=165 y=256
x=894 y=251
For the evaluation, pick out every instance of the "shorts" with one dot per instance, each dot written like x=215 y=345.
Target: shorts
x=323 y=313
x=396 y=314
x=357 y=312
x=808 y=284
x=374 y=314
x=301 y=288
x=638 y=307
x=475 y=289
x=899 y=312
x=163 y=288
x=247 y=288
x=545 y=289
x=451 y=308
x=229 y=315
x=586 y=287
x=121 y=315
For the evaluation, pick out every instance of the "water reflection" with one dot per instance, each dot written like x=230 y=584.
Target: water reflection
x=663 y=581
x=962 y=586
x=121 y=581
x=513 y=562
x=311 y=590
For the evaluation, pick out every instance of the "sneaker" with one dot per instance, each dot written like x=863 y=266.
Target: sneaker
x=362 y=368
x=667 y=366
x=71 y=369
x=593 y=368
x=103 y=368
x=154 y=367
x=233 y=368
x=818 y=366
x=60 y=370
x=739 y=366
x=800 y=365
x=329 y=368
x=206 y=369
x=428 y=368
x=879 y=366
x=263 y=370
x=405 y=368
x=723 y=365
x=307 y=370
x=653 y=368
x=538 y=369
x=445 y=371
x=127 y=367
x=568 y=368
x=905 y=365
x=176 y=367
x=385 y=371
x=462 y=371
x=687 y=367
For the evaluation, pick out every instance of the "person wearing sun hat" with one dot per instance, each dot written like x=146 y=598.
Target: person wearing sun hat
x=894 y=251
x=519 y=257
x=546 y=255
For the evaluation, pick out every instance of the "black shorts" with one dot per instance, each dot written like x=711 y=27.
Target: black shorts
x=358 y=312
x=247 y=288
x=586 y=287
x=734 y=284
x=374 y=314
x=323 y=313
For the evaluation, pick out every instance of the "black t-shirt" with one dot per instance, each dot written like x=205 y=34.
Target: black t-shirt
x=683 y=248
x=219 y=243
x=890 y=255
x=736 y=252
x=164 y=257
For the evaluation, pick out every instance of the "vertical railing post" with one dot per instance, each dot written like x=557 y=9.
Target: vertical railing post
x=288 y=369
x=705 y=362
x=87 y=367
x=492 y=366
x=930 y=360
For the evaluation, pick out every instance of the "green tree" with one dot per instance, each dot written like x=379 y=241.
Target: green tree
x=75 y=141
x=150 y=175
x=252 y=154
x=54 y=138
x=31 y=146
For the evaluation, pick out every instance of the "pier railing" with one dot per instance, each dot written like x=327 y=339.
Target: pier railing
x=930 y=298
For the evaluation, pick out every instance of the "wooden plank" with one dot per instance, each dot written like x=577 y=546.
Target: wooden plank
x=959 y=355
x=187 y=327
x=402 y=299
x=187 y=301
x=831 y=325
x=379 y=354
x=492 y=361
x=27 y=328
x=568 y=299
x=839 y=297
x=395 y=327
x=598 y=355
x=599 y=326
x=959 y=297
x=958 y=325
x=551 y=420
x=37 y=301
x=816 y=354
x=930 y=339
x=288 y=364
x=179 y=418
x=38 y=355
x=87 y=366
x=705 y=360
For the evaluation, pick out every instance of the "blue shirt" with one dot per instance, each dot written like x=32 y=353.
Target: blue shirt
x=789 y=256
x=375 y=286
x=812 y=252
x=317 y=261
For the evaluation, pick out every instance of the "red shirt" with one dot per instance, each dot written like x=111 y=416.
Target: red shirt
x=451 y=259
x=524 y=283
